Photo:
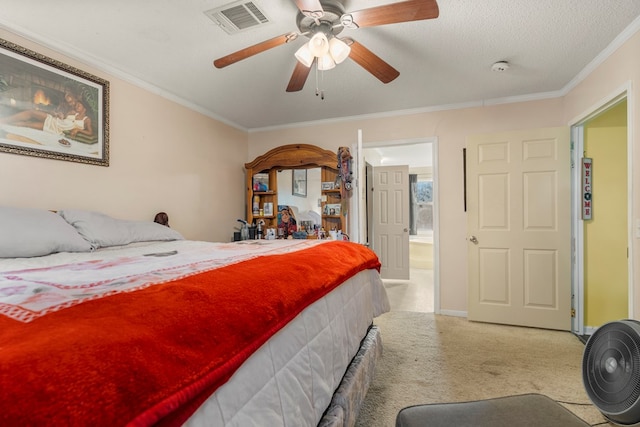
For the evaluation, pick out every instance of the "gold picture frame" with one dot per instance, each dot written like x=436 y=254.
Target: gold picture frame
x=50 y=109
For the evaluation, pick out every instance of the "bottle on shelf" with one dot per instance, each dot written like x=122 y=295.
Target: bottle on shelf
x=256 y=205
x=259 y=230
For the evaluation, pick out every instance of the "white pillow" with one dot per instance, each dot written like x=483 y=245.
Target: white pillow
x=28 y=232
x=101 y=230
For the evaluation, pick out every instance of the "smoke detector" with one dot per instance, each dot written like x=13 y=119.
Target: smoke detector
x=500 y=66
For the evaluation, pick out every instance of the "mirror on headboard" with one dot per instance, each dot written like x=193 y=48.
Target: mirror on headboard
x=302 y=196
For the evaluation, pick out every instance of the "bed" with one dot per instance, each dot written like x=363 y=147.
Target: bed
x=113 y=322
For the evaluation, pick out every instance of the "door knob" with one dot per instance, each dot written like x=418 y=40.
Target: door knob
x=473 y=240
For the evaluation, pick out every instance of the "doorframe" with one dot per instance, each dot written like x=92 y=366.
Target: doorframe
x=577 y=224
x=436 y=205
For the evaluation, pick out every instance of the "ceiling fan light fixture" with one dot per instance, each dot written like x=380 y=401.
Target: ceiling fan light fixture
x=304 y=55
x=319 y=44
x=326 y=62
x=323 y=20
x=339 y=50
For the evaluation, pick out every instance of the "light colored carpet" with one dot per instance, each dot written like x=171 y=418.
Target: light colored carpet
x=415 y=294
x=430 y=358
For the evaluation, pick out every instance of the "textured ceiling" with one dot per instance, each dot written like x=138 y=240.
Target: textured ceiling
x=168 y=46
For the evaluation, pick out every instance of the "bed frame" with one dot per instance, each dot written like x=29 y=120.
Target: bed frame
x=347 y=399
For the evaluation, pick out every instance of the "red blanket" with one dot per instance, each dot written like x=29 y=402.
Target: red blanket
x=154 y=355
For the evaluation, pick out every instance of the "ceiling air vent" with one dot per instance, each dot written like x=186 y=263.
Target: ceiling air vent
x=237 y=16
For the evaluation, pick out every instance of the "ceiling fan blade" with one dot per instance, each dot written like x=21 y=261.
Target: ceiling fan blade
x=412 y=10
x=299 y=77
x=372 y=62
x=310 y=8
x=253 y=50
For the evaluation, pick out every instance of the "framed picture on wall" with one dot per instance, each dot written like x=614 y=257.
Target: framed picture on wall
x=299 y=183
x=51 y=109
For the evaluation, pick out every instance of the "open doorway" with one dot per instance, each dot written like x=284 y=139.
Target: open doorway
x=418 y=293
x=602 y=226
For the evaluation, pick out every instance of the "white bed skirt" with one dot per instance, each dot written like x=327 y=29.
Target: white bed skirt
x=291 y=379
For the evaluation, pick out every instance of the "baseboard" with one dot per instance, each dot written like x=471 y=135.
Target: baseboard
x=589 y=330
x=454 y=313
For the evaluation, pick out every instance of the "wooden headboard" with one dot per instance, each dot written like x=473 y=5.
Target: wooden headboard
x=294 y=156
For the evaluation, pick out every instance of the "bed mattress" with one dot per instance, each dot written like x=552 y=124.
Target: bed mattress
x=291 y=378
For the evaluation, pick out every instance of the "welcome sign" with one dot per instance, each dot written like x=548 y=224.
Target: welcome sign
x=587 y=175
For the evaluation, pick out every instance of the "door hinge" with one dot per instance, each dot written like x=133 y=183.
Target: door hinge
x=573 y=312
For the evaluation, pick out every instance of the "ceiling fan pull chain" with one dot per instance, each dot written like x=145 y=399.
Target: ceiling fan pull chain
x=317 y=89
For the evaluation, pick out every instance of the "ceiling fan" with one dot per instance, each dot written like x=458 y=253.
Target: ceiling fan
x=321 y=21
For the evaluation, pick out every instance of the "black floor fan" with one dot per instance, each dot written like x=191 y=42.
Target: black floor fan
x=611 y=371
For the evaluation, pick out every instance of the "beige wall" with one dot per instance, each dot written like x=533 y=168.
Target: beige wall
x=163 y=157
x=620 y=70
x=166 y=157
x=453 y=126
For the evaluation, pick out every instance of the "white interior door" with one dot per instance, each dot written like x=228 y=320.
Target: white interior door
x=519 y=228
x=391 y=220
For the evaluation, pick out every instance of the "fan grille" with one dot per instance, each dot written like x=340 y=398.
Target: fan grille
x=611 y=370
